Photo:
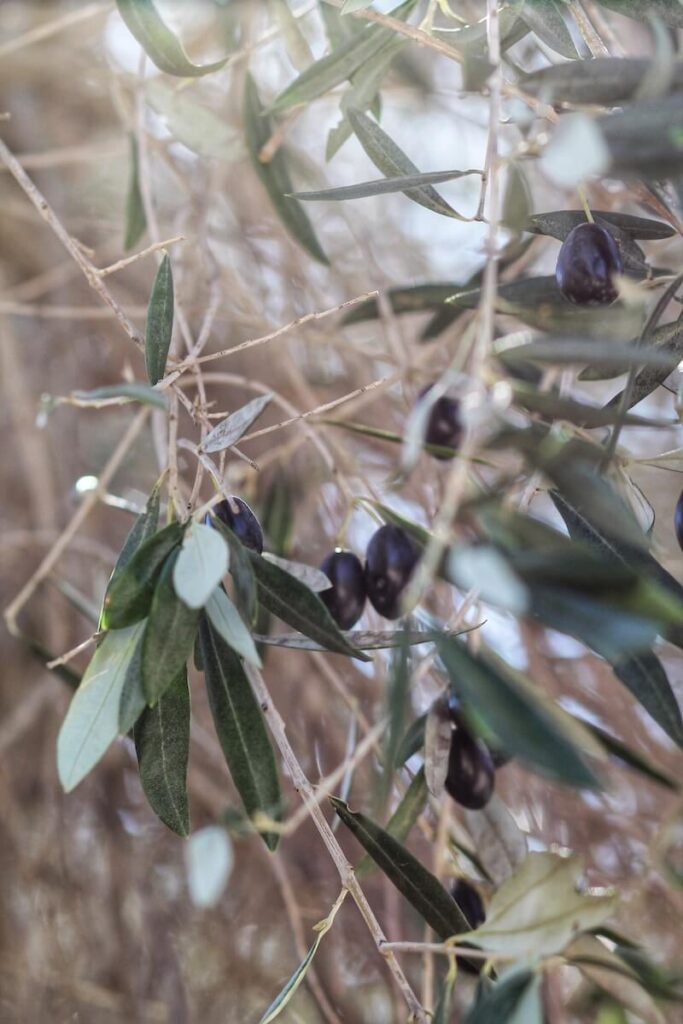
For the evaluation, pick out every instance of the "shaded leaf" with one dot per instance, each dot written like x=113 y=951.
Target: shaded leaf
x=133 y=701
x=517 y=199
x=162 y=744
x=130 y=591
x=92 y=720
x=232 y=428
x=240 y=728
x=544 y=18
x=293 y=602
x=558 y=223
x=159 y=329
x=610 y=973
x=553 y=406
x=651 y=377
x=169 y=635
x=200 y=566
x=419 y=886
x=498 y=839
x=380 y=186
x=644 y=675
x=313 y=578
x=539 y=909
x=144 y=527
x=522 y=725
x=668 y=11
x=136 y=391
x=412 y=741
x=501 y=1003
x=616 y=357
x=241 y=571
x=397 y=697
x=664 y=344
x=226 y=620
x=159 y=43
x=209 y=862
x=627 y=755
x=402 y=820
x=274 y=175
x=603 y=80
x=136 y=220
x=393 y=162
x=645 y=138
x=415 y=299
x=193 y=124
x=438 y=733
x=388 y=435
x=442 y=1010
x=339 y=65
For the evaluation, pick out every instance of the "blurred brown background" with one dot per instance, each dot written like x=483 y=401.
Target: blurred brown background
x=96 y=922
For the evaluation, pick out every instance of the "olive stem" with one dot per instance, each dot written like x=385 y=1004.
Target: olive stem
x=584 y=202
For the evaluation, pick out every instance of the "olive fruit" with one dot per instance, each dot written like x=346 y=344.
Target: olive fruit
x=243 y=523
x=471 y=774
x=345 y=599
x=678 y=520
x=390 y=559
x=588 y=260
x=444 y=426
x=469 y=901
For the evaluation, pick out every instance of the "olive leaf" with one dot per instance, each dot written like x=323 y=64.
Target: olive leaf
x=136 y=220
x=397 y=701
x=668 y=11
x=233 y=427
x=200 y=566
x=438 y=733
x=442 y=1010
x=638 y=762
x=500 y=843
x=209 y=861
x=612 y=355
x=402 y=820
x=645 y=138
x=362 y=640
x=296 y=604
x=130 y=591
x=345 y=59
x=419 y=886
x=162 y=744
x=544 y=18
x=644 y=675
x=133 y=700
x=144 y=527
x=603 y=80
x=226 y=620
x=241 y=571
x=274 y=175
x=508 y=1001
x=298 y=50
x=159 y=328
x=665 y=345
x=651 y=377
x=539 y=909
x=392 y=162
x=193 y=124
x=612 y=975
x=92 y=720
x=314 y=579
x=522 y=725
x=240 y=728
x=169 y=635
x=558 y=223
x=414 y=299
x=517 y=199
x=551 y=405
x=159 y=43
x=380 y=186
x=133 y=391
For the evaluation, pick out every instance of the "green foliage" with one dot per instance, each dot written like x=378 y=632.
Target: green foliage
x=158 y=42
x=159 y=330
x=162 y=744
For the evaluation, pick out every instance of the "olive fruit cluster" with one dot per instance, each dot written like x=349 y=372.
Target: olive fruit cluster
x=587 y=264
x=390 y=561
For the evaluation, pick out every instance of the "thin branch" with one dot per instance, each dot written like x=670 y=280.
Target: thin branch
x=113 y=268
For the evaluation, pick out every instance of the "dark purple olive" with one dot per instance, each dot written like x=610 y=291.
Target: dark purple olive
x=390 y=560
x=678 y=520
x=471 y=775
x=345 y=599
x=444 y=426
x=243 y=524
x=588 y=260
x=469 y=901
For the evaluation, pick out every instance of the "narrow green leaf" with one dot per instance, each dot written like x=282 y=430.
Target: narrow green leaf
x=442 y=1010
x=380 y=186
x=159 y=43
x=144 y=527
x=645 y=676
x=412 y=741
x=644 y=138
x=664 y=344
x=231 y=429
x=415 y=299
x=393 y=162
x=362 y=640
x=169 y=635
x=209 y=860
x=226 y=620
x=544 y=18
x=668 y=11
x=398 y=697
x=135 y=391
x=339 y=65
x=136 y=221
x=130 y=591
x=517 y=200
x=652 y=377
x=274 y=175
x=553 y=406
x=612 y=355
x=293 y=602
x=133 y=701
x=402 y=820
x=195 y=125
x=419 y=886
x=159 y=329
x=500 y=1003
x=92 y=721
x=388 y=435
x=201 y=565
x=522 y=725
x=355 y=5
x=627 y=755
x=162 y=743
x=298 y=50
x=558 y=223
x=240 y=728
x=241 y=571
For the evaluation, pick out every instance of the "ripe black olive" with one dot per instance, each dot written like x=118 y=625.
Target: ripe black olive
x=345 y=599
x=471 y=774
x=243 y=524
x=469 y=901
x=390 y=560
x=678 y=520
x=588 y=260
x=444 y=426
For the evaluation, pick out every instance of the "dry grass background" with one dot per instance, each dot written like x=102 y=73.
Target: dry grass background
x=96 y=925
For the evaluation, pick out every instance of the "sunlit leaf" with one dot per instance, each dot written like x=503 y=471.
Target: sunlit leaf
x=231 y=429
x=297 y=47
x=162 y=743
x=159 y=43
x=136 y=220
x=274 y=175
x=159 y=329
x=240 y=728
x=201 y=565
x=192 y=123
x=92 y=721
x=539 y=909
